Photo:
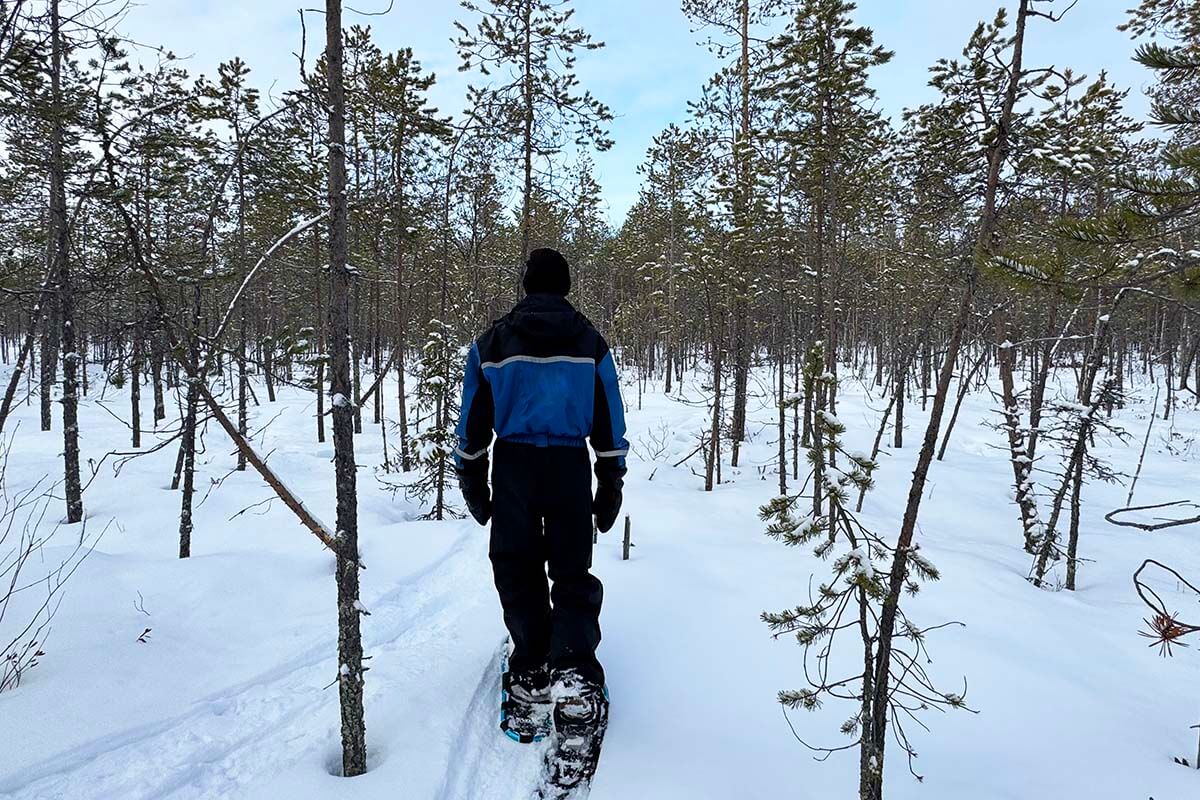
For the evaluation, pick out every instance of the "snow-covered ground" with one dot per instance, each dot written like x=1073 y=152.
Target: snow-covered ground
x=229 y=696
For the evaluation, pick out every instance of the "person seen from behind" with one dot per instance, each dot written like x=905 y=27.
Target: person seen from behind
x=543 y=381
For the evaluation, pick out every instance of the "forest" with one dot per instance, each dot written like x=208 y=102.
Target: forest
x=913 y=403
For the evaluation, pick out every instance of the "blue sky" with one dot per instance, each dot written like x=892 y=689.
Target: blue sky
x=652 y=64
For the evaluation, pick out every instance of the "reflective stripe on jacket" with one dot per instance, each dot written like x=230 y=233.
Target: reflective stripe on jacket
x=542 y=375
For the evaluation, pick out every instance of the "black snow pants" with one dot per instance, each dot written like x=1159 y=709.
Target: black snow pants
x=542 y=515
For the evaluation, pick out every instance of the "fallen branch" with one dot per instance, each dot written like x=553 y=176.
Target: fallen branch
x=299 y=228
x=194 y=374
x=699 y=447
x=1153 y=526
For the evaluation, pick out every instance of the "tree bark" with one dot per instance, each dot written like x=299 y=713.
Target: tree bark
x=26 y=350
x=527 y=131
x=741 y=311
x=350 y=649
x=185 y=469
x=1073 y=535
x=1018 y=450
x=156 y=365
x=242 y=378
x=72 y=487
x=135 y=388
x=48 y=365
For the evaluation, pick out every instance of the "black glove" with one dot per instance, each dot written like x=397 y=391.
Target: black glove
x=607 y=504
x=475 y=491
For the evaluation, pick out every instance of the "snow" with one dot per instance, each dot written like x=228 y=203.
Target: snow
x=230 y=696
x=829 y=419
x=861 y=561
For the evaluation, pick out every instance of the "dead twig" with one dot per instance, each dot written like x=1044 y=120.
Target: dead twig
x=1166 y=630
x=1153 y=526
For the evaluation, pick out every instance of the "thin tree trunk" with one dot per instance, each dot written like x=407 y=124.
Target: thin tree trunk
x=1145 y=443
x=322 y=355
x=376 y=351
x=186 y=467
x=874 y=735
x=964 y=386
x=242 y=381
x=1189 y=357
x=398 y=210
x=49 y=347
x=24 y=355
x=135 y=389
x=356 y=352
x=350 y=649
x=1089 y=372
x=1073 y=538
x=1018 y=452
x=1037 y=394
x=156 y=365
x=72 y=487
x=527 y=130
x=900 y=391
x=714 y=447
x=741 y=311
x=269 y=367
x=781 y=376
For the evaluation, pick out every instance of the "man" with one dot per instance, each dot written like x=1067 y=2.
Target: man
x=544 y=380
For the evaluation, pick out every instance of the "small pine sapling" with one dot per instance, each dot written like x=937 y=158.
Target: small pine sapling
x=850 y=598
x=437 y=408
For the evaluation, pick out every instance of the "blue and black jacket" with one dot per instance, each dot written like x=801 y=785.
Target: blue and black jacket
x=542 y=375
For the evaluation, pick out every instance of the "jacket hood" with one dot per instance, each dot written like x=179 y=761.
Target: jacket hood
x=546 y=316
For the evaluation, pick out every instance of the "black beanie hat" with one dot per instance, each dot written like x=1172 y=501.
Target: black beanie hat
x=546 y=272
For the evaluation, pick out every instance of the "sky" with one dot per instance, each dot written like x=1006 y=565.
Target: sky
x=652 y=62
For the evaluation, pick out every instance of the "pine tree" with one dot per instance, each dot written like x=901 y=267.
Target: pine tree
x=1175 y=101
x=736 y=21
x=527 y=47
x=235 y=103
x=407 y=132
x=437 y=393
x=819 y=71
x=484 y=235
x=852 y=597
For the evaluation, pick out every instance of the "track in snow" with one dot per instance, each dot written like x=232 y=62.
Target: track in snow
x=487 y=763
x=223 y=741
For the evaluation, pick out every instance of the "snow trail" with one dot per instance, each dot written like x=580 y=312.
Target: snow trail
x=488 y=763
x=226 y=739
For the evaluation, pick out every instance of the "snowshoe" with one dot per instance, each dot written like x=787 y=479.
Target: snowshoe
x=580 y=721
x=525 y=704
